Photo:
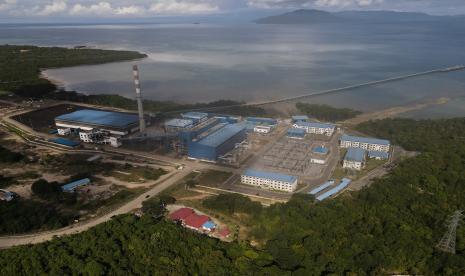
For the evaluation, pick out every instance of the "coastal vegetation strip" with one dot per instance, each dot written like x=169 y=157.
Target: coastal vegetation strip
x=326 y=113
x=20 y=65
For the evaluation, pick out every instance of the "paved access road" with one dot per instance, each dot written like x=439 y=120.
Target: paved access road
x=166 y=181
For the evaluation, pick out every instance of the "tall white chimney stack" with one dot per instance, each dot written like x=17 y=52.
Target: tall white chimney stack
x=140 y=107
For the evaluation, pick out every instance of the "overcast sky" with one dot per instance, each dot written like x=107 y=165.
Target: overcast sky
x=27 y=9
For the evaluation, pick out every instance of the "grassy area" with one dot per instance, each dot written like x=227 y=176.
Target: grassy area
x=179 y=190
x=213 y=178
x=118 y=199
x=137 y=174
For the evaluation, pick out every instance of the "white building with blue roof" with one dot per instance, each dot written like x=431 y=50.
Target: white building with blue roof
x=355 y=158
x=369 y=144
x=316 y=128
x=269 y=180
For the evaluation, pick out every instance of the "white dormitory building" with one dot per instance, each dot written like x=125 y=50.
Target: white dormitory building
x=355 y=159
x=269 y=180
x=369 y=144
x=316 y=128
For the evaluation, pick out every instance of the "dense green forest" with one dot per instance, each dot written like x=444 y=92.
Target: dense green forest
x=20 y=216
x=326 y=112
x=391 y=227
x=20 y=65
x=8 y=156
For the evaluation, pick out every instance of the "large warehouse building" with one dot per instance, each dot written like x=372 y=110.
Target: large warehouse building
x=116 y=123
x=217 y=143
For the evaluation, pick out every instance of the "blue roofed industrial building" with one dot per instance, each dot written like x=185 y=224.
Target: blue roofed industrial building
x=87 y=119
x=320 y=150
x=217 y=143
x=378 y=155
x=71 y=187
x=195 y=116
x=174 y=125
x=296 y=133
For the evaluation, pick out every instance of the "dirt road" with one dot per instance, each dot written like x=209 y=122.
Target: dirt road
x=164 y=183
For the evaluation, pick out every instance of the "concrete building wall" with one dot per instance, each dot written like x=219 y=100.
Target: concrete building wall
x=269 y=183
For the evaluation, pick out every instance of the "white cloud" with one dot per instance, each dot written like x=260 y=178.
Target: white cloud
x=7 y=4
x=182 y=7
x=129 y=10
x=55 y=7
x=101 y=8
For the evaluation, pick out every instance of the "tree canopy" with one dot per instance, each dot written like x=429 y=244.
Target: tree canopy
x=391 y=227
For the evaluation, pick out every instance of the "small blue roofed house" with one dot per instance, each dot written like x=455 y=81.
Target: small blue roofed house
x=261 y=121
x=217 y=143
x=296 y=133
x=300 y=118
x=355 y=158
x=320 y=150
x=378 y=155
x=196 y=117
x=65 y=142
x=209 y=226
x=71 y=187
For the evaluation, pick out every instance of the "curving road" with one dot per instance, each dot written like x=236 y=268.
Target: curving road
x=166 y=181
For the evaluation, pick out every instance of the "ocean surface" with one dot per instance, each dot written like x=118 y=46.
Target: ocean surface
x=250 y=62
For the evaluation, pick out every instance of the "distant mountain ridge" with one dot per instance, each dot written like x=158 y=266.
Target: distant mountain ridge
x=304 y=16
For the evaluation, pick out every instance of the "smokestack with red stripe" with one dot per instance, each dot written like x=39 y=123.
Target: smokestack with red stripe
x=140 y=107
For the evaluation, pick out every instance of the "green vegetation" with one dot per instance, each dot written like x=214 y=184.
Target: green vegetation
x=20 y=216
x=212 y=178
x=391 y=227
x=8 y=156
x=233 y=203
x=326 y=112
x=155 y=207
x=129 y=245
x=5 y=181
x=20 y=65
x=138 y=174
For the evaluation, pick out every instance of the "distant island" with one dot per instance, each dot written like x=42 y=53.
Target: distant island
x=309 y=16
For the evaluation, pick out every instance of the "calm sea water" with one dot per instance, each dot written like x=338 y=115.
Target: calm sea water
x=249 y=62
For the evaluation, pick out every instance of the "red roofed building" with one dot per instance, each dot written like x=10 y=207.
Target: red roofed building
x=224 y=233
x=181 y=214
x=195 y=221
